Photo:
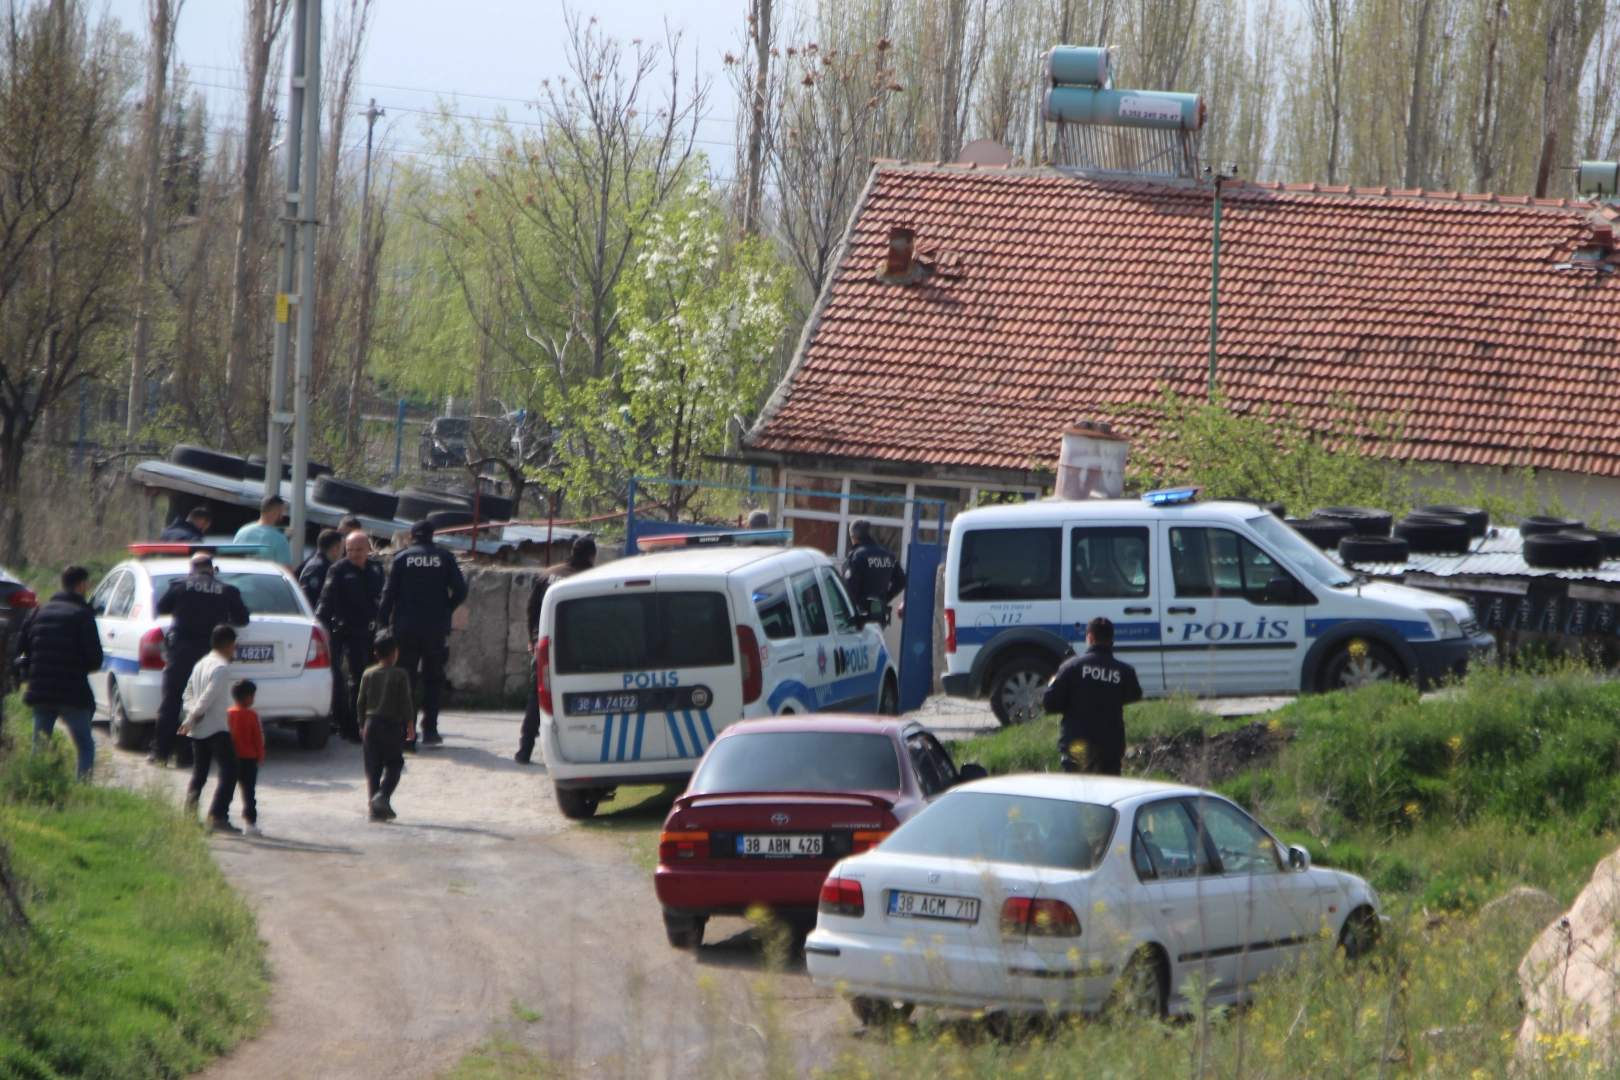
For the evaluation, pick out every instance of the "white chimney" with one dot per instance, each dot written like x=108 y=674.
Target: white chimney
x=1091 y=464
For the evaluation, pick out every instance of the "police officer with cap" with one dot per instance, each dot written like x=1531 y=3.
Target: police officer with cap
x=348 y=609
x=424 y=586
x=1091 y=691
x=872 y=574
x=196 y=604
x=312 y=575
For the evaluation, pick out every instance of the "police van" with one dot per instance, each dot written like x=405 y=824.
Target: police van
x=1206 y=598
x=644 y=661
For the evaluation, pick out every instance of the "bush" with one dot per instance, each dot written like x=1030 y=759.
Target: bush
x=41 y=776
x=1033 y=747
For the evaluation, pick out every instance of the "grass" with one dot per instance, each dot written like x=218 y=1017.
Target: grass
x=46 y=578
x=636 y=813
x=140 y=960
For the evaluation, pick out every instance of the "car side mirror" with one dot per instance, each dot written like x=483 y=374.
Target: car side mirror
x=1298 y=858
x=1284 y=590
x=971 y=771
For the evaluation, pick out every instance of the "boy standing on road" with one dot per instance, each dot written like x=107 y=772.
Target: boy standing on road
x=390 y=719
x=207 y=704
x=248 y=739
x=1090 y=692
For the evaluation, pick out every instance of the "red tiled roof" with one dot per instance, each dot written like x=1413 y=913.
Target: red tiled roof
x=1058 y=295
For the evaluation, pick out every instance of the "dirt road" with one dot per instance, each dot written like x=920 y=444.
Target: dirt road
x=397 y=947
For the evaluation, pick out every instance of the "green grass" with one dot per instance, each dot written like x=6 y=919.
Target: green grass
x=140 y=960
x=636 y=813
x=45 y=578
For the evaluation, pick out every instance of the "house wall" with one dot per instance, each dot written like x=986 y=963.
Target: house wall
x=1594 y=499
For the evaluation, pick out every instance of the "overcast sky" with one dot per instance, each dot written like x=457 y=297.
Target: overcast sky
x=488 y=54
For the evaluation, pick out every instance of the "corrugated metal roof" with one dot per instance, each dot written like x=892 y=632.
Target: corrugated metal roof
x=1498 y=554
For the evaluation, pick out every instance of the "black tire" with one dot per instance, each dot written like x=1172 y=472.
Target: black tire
x=1016 y=688
x=493 y=507
x=1276 y=509
x=357 y=497
x=1357 y=663
x=418 y=507
x=209 y=461
x=1365 y=520
x=684 y=931
x=1563 y=551
x=316 y=469
x=577 y=804
x=1610 y=542
x=1542 y=524
x=880 y=1012
x=452 y=519
x=254 y=468
x=126 y=733
x=1142 y=990
x=1360 y=934
x=1365 y=550
x=1431 y=534
x=1479 y=521
x=1325 y=533
x=257 y=463
x=314 y=734
x=889 y=698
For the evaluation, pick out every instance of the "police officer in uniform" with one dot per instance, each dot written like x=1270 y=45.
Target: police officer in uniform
x=348 y=609
x=1091 y=691
x=189 y=529
x=312 y=575
x=581 y=556
x=872 y=574
x=197 y=603
x=424 y=586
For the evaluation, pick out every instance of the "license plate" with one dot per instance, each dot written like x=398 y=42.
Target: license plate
x=916 y=905
x=255 y=654
x=780 y=846
x=599 y=704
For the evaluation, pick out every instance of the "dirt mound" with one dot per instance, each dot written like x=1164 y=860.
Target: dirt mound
x=1202 y=761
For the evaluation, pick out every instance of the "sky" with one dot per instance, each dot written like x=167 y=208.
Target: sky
x=487 y=54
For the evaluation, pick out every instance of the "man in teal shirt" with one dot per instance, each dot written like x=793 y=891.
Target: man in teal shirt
x=266 y=534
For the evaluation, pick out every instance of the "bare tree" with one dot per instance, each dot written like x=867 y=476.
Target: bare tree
x=161 y=16
x=761 y=24
x=1329 y=21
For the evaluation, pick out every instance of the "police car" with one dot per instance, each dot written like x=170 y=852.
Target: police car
x=1207 y=598
x=644 y=661
x=282 y=648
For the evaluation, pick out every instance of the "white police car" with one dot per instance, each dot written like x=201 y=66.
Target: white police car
x=282 y=648
x=645 y=660
x=1208 y=598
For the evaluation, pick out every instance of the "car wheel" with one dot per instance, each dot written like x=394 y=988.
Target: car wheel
x=126 y=734
x=889 y=698
x=313 y=734
x=1143 y=988
x=1359 y=662
x=577 y=804
x=880 y=1012
x=1016 y=690
x=684 y=931
x=1360 y=934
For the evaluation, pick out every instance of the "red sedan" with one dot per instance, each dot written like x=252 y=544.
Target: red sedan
x=776 y=802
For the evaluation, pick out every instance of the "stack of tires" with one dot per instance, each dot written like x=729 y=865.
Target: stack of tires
x=447 y=509
x=210 y=461
x=1325 y=533
x=257 y=463
x=1555 y=543
x=356 y=498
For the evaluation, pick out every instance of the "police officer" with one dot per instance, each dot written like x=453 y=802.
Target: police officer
x=312 y=575
x=348 y=609
x=1091 y=691
x=190 y=529
x=581 y=556
x=424 y=586
x=872 y=574
x=197 y=603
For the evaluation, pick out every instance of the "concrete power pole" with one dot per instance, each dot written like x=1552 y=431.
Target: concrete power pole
x=306 y=275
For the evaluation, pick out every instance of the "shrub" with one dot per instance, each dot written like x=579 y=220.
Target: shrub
x=42 y=776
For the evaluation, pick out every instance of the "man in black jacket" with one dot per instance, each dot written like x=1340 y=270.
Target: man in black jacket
x=872 y=575
x=197 y=604
x=57 y=650
x=424 y=586
x=348 y=609
x=581 y=556
x=1091 y=691
x=312 y=575
x=191 y=529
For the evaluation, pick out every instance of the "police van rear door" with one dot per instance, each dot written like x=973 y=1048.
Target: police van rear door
x=1110 y=571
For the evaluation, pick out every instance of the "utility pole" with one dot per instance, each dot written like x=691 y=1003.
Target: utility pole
x=362 y=344
x=306 y=273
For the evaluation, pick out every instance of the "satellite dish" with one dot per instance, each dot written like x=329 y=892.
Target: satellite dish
x=984 y=152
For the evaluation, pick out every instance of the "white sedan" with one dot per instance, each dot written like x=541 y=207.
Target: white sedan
x=1054 y=893
x=282 y=648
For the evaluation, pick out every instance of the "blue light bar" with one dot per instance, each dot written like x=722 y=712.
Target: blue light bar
x=1172 y=496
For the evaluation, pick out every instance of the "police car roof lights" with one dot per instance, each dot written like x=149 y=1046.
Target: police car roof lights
x=181 y=550
x=1172 y=496
x=746 y=538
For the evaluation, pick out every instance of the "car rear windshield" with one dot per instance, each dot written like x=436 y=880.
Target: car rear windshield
x=1017 y=829
x=799 y=761
x=642 y=632
x=262 y=594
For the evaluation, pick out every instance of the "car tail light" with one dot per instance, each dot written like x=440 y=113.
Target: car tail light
x=542 y=667
x=753 y=674
x=23 y=598
x=950 y=630
x=1021 y=916
x=151 y=650
x=842 y=896
x=673 y=846
x=866 y=841
x=319 y=654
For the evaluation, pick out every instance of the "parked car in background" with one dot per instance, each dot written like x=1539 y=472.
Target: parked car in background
x=17 y=602
x=776 y=802
x=282 y=648
x=1052 y=893
x=444 y=443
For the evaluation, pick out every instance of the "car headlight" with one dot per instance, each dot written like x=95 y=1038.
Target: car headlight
x=1445 y=624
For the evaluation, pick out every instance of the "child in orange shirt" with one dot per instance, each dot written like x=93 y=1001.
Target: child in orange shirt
x=248 y=737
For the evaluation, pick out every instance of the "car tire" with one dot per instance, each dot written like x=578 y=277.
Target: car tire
x=684 y=931
x=577 y=804
x=1365 y=520
x=209 y=461
x=1355 y=550
x=880 y=1012
x=1358 y=663
x=418 y=507
x=1360 y=934
x=1564 y=551
x=1542 y=524
x=889 y=698
x=314 y=734
x=1016 y=689
x=1431 y=534
x=1325 y=533
x=357 y=497
x=1142 y=990
x=126 y=733
x=1479 y=521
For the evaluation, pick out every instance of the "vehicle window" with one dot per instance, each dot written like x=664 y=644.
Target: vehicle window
x=1219 y=562
x=1016 y=829
x=104 y=591
x=647 y=630
x=123 y=596
x=842 y=620
x=811 y=607
x=1167 y=843
x=775 y=611
x=1108 y=562
x=1010 y=564
x=262 y=594
x=923 y=764
x=799 y=761
x=942 y=760
x=1306 y=555
x=1242 y=846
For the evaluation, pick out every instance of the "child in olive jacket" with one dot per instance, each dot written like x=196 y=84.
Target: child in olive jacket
x=389 y=717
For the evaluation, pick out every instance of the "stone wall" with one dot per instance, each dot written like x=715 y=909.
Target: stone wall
x=488 y=642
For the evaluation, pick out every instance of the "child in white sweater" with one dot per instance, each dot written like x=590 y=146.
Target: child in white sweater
x=205 y=704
